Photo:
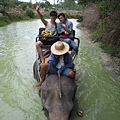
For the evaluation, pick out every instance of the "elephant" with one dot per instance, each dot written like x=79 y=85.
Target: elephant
x=57 y=95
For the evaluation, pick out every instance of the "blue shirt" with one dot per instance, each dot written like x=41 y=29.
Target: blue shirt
x=68 y=24
x=68 y=62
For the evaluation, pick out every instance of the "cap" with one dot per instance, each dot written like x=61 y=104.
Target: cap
x=53 y=13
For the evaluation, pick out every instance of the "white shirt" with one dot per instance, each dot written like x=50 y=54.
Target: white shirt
x=50 y=27
x=60 y=63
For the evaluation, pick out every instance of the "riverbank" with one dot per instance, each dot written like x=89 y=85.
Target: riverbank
x=13 y=15
x=111 y=63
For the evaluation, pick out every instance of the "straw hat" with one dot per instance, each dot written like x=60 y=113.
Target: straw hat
x=59 y=48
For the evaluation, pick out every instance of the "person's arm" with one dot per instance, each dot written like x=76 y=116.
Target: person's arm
x=60 y=31
x=68 y=27
x=53 y=60
x=67 y=31
x=41 y=16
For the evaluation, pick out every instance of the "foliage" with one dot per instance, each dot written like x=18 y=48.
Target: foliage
x=7 y=19
x=6 y=3
x=106 y=8
x=42 y=5
x=47 y=4
x=4 y=20
x=15 y=17
x=85 y=2
x=68 y=15
x=68 y=5
x=111 y=49
x=107 y=29
x=24 y=5
x=109 y=23
x=46 y=10
x=30 y=13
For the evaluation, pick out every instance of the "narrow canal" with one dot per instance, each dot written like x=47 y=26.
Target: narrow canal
x=98 y=93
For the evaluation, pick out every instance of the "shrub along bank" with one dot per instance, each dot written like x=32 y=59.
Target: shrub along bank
x=8 y=18
x=103 y=21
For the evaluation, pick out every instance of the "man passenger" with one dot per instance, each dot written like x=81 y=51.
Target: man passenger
x=60 y=62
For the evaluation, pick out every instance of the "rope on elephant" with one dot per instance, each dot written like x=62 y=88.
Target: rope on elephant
x=59 y=86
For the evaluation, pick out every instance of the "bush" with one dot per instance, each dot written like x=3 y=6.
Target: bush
x=24 y=6
x=30 y=13
x=4 y=20
x=15 y=17
x=111 y=49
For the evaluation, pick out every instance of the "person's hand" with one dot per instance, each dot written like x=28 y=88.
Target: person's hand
x=37 y=7
x=61 y=70
x=66 y=33
x=63 y=25
x=62 y=32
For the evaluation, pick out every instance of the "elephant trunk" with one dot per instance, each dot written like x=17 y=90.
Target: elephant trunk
x=62 y=116
x=60 y=111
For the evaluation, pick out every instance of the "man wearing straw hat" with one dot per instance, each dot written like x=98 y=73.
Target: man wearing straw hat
x=60 y=62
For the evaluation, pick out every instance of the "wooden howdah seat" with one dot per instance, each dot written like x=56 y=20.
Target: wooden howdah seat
x=46 y=48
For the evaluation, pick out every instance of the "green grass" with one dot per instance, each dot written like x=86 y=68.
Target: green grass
x=113 y=50
x=4 y=20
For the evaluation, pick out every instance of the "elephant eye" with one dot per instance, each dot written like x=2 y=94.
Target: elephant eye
x=46 y=112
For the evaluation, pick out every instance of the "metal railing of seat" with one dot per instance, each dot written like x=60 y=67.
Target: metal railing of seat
x=73 y=38
x=39 y=35
x=78 y=43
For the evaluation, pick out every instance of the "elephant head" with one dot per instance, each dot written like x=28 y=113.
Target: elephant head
x=56 y=107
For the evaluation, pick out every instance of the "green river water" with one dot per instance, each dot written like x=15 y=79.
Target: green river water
x=98 y=93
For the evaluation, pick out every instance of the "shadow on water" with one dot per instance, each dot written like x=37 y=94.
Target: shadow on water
x=98 y=93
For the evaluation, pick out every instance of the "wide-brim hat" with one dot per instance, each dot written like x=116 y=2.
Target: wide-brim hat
x=59 y=48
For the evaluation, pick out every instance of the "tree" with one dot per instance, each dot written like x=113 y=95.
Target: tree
x=42 y=5
x=85 y=2
x=6 y=3
x=69 y=4
x=47 y=4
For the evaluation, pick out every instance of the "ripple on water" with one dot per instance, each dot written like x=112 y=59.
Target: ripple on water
x=98 y=91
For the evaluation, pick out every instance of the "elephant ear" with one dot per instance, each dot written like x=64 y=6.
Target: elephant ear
x=68 y=86
x=68 y=91
x=47 y=107
x=68 y=98
x=48 y=90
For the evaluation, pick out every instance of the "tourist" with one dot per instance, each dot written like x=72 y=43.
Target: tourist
x=65 y=30
x=49 y=26
x=60 y=62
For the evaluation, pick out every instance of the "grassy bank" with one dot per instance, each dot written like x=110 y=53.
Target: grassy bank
x=9 y=18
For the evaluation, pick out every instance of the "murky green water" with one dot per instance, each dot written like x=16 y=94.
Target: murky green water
x=98 y=92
